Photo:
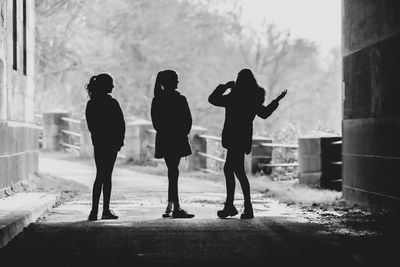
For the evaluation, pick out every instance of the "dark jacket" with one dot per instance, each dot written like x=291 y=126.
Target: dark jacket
x=105 y=122
x=172 y=120
x=240 y=111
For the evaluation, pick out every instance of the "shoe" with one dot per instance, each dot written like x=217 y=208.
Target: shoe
x=167 y=213
x=229 y=210
x=248 y=212
x=109 y=215
x=181 y=213
x=92 y=216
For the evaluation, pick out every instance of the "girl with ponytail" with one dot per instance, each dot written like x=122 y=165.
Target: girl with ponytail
x=107 y=128
x=172 y=120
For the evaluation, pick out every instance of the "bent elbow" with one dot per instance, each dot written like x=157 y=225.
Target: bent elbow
x=265 y=115
x=211 y=100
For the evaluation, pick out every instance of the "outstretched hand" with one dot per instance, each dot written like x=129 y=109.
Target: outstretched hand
x=282 y=95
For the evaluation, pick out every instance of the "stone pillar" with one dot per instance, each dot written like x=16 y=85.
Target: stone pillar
x=319 y=161
x=139 y=141
x=3 y=89
x=371 y=113
x=259 y=154
x=214 y=147
x=85 y=141
x=52 y=126
x=197 y=144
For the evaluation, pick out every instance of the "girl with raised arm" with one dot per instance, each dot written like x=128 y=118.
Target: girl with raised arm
x=172 y=120
x=242 y=104
x=107 y=128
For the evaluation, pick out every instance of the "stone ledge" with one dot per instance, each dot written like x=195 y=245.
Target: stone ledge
x=20 y=210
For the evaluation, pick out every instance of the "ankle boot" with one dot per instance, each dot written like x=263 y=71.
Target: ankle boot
x=248 y=212
x=228 y=210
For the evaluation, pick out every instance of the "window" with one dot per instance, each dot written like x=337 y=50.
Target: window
x=15 y=33
x=24 y=38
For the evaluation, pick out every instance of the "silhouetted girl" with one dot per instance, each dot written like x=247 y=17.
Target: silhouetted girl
x=107 y=127
x=241 y=105
x=172 y=120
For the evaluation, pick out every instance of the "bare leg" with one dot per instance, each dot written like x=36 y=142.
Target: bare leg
x=229 y=178
x=173 y=174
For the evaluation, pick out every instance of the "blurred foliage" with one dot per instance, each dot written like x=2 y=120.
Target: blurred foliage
x=133 y=40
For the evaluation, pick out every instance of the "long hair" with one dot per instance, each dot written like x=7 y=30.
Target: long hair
x=157 y=85
x=246 y=86
x=99 y=85
x=163 y=80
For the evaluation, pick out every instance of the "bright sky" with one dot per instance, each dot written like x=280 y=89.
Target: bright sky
x=317 y=20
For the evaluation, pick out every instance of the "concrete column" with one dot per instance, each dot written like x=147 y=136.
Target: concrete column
x=52 y=126
x=139 y=141
x=85 y=141
x=197 y=144
x=214 y=147
x=3 y=89
x=318 y=158
x=259 y=154
x=371 y=113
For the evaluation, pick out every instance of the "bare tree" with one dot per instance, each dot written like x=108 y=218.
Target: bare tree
x=133 y=40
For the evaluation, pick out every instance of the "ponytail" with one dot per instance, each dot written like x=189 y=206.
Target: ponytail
x=99 y=85
x=157 y=86
x=91 y=86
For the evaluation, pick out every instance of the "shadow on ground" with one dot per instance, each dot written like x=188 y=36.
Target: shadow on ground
x=263 y=241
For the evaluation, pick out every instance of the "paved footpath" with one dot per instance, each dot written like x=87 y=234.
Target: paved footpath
x=278 y=236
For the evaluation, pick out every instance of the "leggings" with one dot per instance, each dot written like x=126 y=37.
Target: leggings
x=234 y=165
x=173 y=174
x=104 y=159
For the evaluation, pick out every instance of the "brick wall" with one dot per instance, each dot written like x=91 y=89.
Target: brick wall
x=18 y=136
x=371 y=112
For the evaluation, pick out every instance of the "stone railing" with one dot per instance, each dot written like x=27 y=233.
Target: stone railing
x=320 y=161
x=319 y=157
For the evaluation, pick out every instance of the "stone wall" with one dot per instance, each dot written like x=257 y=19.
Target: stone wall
x=18 y=135
x=371 y=102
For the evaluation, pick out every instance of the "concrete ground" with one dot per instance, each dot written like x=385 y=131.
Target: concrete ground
x=278 y=236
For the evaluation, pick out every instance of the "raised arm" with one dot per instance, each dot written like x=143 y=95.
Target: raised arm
x=217 y=97
x=266 y=111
